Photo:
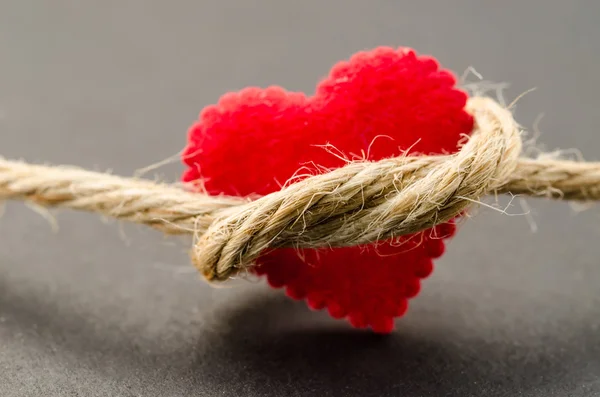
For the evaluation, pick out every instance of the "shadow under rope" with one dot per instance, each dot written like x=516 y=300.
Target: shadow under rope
x=270 y=345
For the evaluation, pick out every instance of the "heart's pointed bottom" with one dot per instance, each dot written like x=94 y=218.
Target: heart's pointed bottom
x=367 y=287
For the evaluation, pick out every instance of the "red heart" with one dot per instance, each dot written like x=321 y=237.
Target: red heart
x=379 y=104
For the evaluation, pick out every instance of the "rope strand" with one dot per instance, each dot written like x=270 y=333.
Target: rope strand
x=360 y=203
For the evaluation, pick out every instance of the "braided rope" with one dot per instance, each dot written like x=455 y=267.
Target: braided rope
x=360 y=203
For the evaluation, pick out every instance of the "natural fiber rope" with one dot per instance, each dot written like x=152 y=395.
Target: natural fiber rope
x=360 y=203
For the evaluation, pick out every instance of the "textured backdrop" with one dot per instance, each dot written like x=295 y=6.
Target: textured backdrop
x=114 y=310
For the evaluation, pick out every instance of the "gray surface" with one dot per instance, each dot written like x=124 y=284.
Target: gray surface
x=114 y=84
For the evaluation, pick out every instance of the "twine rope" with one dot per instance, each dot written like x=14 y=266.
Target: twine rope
x=363 y=202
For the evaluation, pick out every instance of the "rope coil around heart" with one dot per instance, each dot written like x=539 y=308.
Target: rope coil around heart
x=356 y=239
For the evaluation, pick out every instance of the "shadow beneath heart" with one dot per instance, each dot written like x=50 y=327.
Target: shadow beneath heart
x=416 y=360
x=269 y=345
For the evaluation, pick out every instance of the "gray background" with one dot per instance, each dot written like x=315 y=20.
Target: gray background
x=114 y=310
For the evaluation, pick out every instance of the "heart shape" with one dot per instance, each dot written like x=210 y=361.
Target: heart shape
x=379 y=104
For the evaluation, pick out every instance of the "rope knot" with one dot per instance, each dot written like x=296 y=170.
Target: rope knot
x=365 y=202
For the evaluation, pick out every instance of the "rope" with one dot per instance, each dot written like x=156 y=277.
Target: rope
x=363 y=202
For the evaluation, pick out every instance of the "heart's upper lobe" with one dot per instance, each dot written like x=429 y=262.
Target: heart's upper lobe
x=378 y=104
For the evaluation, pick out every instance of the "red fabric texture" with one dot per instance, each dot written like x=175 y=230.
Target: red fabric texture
x=378 y=104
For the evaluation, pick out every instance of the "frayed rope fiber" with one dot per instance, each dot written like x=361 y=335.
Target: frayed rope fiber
x=362 y=202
